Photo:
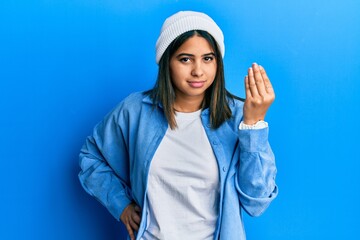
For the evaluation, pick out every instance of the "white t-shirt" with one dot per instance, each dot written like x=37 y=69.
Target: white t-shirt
x=183 y=184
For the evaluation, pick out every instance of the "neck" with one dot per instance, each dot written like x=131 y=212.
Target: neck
x=188 y=104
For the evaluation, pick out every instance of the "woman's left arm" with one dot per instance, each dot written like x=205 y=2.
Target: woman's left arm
x=257 y=170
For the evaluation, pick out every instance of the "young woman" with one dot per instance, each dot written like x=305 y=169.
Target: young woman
x=182 y=160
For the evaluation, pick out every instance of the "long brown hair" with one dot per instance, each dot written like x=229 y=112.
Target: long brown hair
x=216 y=96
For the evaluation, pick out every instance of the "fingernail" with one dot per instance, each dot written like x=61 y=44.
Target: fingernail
x=255 y=64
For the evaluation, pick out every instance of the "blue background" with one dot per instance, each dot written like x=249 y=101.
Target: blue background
x=64 y=64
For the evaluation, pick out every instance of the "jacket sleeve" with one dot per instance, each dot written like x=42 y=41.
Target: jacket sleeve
x=256 y=171
x=104 y=166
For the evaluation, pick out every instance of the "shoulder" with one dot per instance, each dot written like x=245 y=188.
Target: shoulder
x=133 y=102
x=134 y=99
x=130 y=106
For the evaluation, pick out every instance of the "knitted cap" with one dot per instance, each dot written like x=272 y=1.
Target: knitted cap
x=185 y=21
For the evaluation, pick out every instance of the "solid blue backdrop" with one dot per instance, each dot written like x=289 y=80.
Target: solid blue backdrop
x=65 y=64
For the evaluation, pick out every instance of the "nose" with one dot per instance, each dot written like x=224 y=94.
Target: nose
x=197 y=70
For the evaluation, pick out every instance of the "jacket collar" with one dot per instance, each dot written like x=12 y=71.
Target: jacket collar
x=147 y=99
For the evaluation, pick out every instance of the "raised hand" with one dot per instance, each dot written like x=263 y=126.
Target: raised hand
x=131 y=217
x=259 y=94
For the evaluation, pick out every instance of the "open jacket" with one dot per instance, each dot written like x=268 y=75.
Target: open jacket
x=115 y=162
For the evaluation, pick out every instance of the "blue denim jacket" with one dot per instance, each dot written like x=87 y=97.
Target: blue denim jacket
x=115 y=162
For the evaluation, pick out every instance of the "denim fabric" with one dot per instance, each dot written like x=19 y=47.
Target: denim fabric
x=115 y=162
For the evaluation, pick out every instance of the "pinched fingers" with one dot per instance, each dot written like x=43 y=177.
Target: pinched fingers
x=259 y=94
x=258 y=79
x=260 y=88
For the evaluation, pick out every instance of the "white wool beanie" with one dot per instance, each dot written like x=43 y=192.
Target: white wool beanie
x=185 y=21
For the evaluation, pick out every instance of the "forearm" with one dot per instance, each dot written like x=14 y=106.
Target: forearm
x=100 y=181
x=256 y=171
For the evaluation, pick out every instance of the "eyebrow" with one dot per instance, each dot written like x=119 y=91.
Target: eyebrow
x=192 y=55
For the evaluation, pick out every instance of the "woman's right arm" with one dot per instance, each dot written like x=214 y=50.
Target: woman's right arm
x=104 y=163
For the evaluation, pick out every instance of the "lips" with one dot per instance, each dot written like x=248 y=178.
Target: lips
x=196 y=84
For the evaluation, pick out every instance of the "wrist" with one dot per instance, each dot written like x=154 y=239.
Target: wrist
x=251 y=121
x=258 y=125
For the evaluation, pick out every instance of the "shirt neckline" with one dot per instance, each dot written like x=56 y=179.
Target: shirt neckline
x=188 y=115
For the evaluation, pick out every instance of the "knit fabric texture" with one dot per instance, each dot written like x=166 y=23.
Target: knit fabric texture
x=185 y=21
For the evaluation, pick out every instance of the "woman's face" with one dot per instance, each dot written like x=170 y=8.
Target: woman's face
x=193 y=68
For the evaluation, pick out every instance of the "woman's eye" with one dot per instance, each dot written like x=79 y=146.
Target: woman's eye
x=185 y=59
x=208 y=59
